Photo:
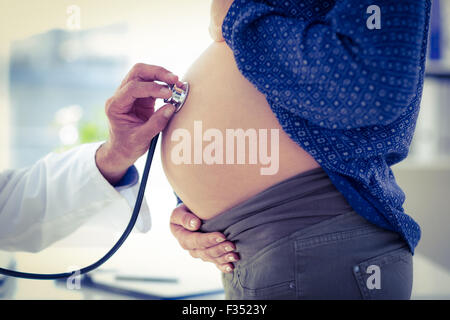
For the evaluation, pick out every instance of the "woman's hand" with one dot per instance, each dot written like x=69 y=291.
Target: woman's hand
x=219 y=10
x=210 y=247
x=133 y=120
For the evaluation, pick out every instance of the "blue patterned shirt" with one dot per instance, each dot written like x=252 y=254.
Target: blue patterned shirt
x=346 y=93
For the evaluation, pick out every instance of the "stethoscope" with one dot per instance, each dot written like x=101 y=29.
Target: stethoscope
x=179 y=96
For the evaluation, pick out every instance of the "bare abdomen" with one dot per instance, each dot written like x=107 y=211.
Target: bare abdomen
x=222 y=99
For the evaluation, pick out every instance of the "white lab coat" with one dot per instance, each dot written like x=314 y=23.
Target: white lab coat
x=50 y=200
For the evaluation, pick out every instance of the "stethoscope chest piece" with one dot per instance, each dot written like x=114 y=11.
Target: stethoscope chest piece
x=179 y=96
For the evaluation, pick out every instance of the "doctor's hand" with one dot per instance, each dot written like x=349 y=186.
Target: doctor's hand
x=132 y=119
x=210 y=247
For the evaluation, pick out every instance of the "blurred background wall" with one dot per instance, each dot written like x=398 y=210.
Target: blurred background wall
x=425 y=175
x=61 y=59
x=59 y=62
x=69 y=56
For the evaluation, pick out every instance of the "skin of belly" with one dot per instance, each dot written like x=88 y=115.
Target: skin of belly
x=222 y=98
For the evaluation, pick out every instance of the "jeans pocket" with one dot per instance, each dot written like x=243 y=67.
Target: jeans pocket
x=387 y=276
x=279 y=291
x=238 y=287
x=270 y=275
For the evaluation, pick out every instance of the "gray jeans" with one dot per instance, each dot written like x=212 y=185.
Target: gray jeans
x=344 y=257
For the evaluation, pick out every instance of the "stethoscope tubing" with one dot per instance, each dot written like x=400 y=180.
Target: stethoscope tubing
x=119 y=243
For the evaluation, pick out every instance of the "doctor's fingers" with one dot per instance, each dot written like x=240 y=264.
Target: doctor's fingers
x=124 y=98
x=195 y=240
x=145 y=72
x=157 y=122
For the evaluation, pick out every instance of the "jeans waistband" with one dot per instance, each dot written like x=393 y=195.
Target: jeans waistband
x=289 y=206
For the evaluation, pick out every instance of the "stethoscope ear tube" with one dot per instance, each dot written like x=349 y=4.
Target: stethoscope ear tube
x=119 y=243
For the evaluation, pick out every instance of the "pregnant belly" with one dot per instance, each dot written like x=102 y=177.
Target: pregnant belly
x=226 y=145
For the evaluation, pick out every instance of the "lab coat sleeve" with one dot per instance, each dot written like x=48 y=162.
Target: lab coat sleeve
x=50 y=200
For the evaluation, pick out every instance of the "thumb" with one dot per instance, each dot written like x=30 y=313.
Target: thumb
x=158 y=121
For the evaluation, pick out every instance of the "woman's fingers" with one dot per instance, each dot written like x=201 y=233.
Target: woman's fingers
x=219 y=254
x=226 y=268
x=183 y=217
x=227 y=258
x=220 y=250
x=195 y=240
x=210 y=247
x=223 y=263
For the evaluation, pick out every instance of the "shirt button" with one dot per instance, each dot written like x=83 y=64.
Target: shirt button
x=292 y=285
